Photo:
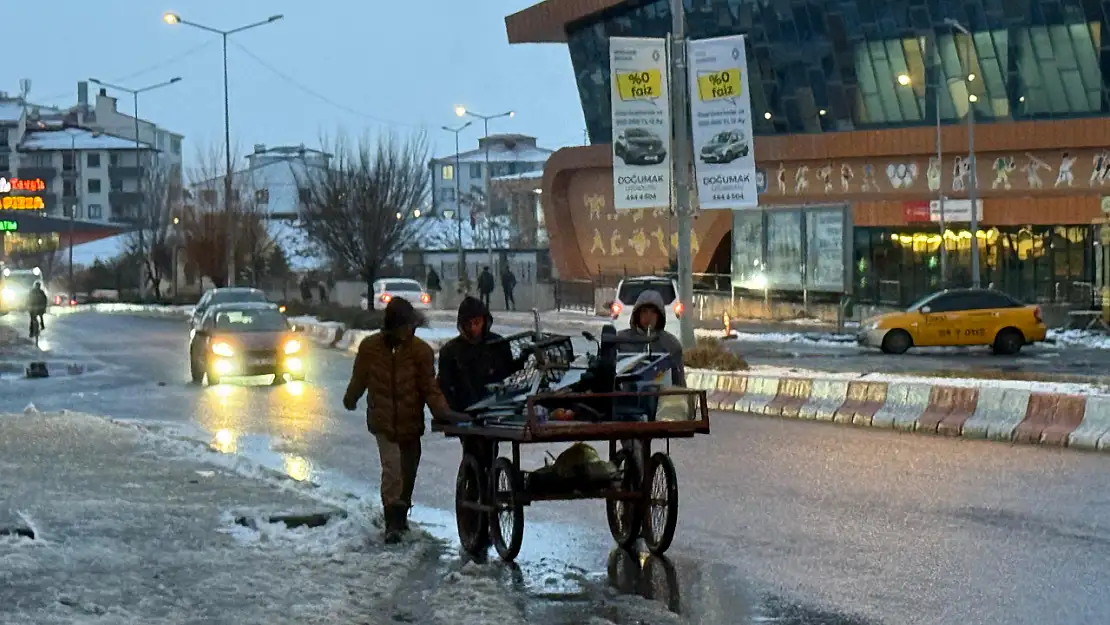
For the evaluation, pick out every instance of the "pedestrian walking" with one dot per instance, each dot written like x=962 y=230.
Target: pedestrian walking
x=396 y=370
x=508 y=283
x=433 y=284
x=485 y=285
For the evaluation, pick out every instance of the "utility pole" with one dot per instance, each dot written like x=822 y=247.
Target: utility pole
x=680 y=123
x=972 y=179
x=463 y=278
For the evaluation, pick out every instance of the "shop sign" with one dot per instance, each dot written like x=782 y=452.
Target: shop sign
x=955 y=211
x=7 y=225
x=915 y=212
x=22 y=202
x=641 y=123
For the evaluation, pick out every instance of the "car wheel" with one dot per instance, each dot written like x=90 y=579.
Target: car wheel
x=897 y=342
x=1008 y=342
x=195 y=371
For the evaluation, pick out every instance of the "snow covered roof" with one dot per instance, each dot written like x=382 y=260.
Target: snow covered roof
x=300 y=252
x=501 y=154
x=528 y=175
x=75 y=138
x=10 y=111
x=441 y=233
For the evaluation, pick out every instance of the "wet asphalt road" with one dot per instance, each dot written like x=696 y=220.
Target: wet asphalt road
x=888 y=527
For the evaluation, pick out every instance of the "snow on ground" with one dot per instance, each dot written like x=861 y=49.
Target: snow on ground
x=1071 y=388
x=817 y=339
x=1087 y=339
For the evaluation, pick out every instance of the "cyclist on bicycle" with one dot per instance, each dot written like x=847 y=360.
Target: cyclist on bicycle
x=37 y=302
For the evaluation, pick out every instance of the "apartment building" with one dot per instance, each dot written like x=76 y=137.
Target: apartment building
x=509 y=154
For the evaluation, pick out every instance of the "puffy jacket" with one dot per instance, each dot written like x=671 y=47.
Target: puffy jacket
x=399 y=381
x=37 y=300
x=661 y=340
x=466 y=367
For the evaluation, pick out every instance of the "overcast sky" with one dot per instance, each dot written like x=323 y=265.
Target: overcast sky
x=328 y=66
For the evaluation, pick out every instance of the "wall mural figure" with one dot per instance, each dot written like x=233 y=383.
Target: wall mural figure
x=782 y=178
x=801 y=180
x=1033 y=169
x=1003 y=167
x=1064 y=175
x=901 y=175
x=615 y=248
x=694 y=246
x=870 y=183
x=961 y=169
x=825 y=176
x=660 y=211
x=638 y=214
x=661 y=238
x=846 y=175
x=932 y=174
x=599 y=244
x=760 y=181
x=595 y=203
x=639 y=242
x=1100 y=168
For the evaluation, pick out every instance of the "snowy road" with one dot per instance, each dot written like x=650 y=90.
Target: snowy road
x=894 y=528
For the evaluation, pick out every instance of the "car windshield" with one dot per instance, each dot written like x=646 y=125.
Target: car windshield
x=921 y=302
x=403 y=285
x=232 y=297
x=724 y=137
x=632 y=289
x=21 y=281
x=250 y=321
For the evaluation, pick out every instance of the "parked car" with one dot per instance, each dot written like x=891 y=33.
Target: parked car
x=388 y=288
x=629 y=290
x=225 y=295
x=957 y=317
x=638 y=146
x=726 y=147
x=245 y=339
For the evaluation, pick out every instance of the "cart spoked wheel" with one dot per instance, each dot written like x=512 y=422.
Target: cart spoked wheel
x=470 y=498
x=506 y=524
x=625 y=515
x=661 y=488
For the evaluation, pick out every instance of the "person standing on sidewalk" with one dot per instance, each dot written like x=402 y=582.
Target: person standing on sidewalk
x=485 y=285
x=433 y=284
x=508 y=283
x=396 y=371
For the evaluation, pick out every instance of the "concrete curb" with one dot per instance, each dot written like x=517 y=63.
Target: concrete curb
x=990 y=413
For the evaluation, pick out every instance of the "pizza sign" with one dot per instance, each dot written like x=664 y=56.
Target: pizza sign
x=22 y=202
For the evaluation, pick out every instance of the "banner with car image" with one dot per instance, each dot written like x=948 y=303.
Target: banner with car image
x=721 y=124
x=641 y=123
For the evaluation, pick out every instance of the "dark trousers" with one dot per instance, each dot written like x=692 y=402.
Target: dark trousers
x=400 y=462
x=510 y=302
x=485 y=298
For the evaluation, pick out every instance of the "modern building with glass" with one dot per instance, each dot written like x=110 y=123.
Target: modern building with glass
x=846 y=96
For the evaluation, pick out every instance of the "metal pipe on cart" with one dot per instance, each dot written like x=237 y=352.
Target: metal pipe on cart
x=681 y=167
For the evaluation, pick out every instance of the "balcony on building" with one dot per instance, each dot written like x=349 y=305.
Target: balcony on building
x=31 y=172
x=116 y=172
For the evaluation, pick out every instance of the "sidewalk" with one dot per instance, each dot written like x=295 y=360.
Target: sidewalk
x=104 y=523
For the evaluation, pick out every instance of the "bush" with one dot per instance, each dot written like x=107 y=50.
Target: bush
x=712 y=354
x=352 y=318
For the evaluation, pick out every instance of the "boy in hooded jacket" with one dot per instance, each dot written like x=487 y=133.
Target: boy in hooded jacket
x=649 y=320
x=397 y=372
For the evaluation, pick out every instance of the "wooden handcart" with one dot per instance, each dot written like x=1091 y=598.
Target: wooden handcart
x=641 y=498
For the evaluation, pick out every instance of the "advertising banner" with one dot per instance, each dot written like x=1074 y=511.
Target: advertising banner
x=721 y=124
x=641 y=123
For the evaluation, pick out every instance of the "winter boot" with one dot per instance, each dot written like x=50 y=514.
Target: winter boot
x=393 y=527
x=403 y=519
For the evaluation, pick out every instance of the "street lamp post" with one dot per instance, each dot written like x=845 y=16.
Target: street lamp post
x=173 y=18
x=458 y=204
x=461 y=111
x=972 y=179
x=141 y=213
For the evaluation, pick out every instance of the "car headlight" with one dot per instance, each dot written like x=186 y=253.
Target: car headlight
x=292 y=346
x=222 y=349
x=871 y=325
x=7 y=294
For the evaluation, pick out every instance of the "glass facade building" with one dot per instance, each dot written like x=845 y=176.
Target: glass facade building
x=841 y=65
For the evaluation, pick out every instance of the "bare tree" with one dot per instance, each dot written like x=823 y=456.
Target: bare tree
x=488 y=231
x=151 y=240
x=360 y=210
x=205 y=224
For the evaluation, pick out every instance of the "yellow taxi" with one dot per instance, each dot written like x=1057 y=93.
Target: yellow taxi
x=957 y=317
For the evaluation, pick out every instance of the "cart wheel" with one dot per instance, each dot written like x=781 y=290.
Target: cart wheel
x=661 y=487
x=625 y=516
x=469 y=493
x=506 y=524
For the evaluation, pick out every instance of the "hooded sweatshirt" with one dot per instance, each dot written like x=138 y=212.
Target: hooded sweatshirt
x=466 y=366
x=662 y=341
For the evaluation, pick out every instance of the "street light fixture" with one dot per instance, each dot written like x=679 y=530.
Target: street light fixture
x=462 y=275
x=972 y=179
x=460 y=111
x=141 y=212
x=173 y=19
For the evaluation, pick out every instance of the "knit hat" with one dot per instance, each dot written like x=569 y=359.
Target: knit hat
x=399 y=312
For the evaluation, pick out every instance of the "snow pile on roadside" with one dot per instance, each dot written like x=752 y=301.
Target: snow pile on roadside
x=1084 y=339
x=456 y=599
x=816 y=339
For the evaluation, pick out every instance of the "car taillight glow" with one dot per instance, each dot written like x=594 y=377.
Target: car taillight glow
x=615 y=309
x=73 y=302
x=425 y=298
x=678 y=308
x=386 y=297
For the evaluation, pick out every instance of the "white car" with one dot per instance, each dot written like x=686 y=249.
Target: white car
x=388 y=288
x=630 y=289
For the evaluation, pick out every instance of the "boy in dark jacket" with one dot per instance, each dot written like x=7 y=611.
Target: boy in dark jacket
x=649 y=320
x=397 y=372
